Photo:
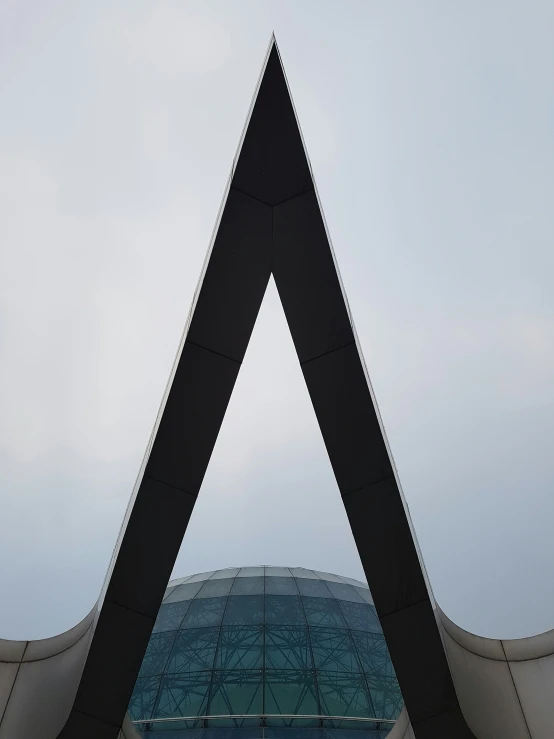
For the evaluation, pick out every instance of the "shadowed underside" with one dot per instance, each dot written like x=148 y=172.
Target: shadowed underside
x=271 y=224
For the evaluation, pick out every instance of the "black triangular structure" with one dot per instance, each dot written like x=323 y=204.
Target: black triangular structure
x=271 y=223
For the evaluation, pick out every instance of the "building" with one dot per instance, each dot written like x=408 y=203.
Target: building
x=266 y=652
x=454 y=685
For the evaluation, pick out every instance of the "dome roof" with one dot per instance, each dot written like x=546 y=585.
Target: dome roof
x=268 y=571
x=275 y=648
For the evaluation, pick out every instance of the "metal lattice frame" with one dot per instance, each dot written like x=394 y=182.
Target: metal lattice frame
x=271 y=223
x=279 y=632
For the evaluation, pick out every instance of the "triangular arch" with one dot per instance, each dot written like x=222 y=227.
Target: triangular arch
x=271 y=223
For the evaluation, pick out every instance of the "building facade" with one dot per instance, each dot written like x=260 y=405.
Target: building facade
x=266 y=652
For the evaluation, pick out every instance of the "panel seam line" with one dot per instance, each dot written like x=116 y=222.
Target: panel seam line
x=516 y=691
x=13 y=684
x=368 y=485
x=169 y=485
x=331 y=351
x=212 y=351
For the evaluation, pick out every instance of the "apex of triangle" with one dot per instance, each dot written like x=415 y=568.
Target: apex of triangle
x=272 y=166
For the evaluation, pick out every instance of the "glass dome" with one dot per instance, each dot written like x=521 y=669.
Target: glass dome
x=266 y=652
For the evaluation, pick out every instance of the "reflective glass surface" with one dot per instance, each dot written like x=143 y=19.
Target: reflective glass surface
x=264 y=652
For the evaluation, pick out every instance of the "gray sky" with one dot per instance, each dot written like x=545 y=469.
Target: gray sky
x=429 y=126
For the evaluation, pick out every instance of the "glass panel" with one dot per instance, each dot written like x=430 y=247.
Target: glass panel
x=183 y=695
x=244 y=610
x=344 y=592
x=194 y=650
x=224 y=574
x=313 y=588
x=344 y=695
x=204 y=612
x=284 y=609
x=373 y=653
x=144 y=698
x=290 y=692
x=368 y=730
x=280 y=586
x=215 y=588
x=287 y=648
x=157 y=653
x=324 y=612
x=301 y=572
x=299 y=733
x=178 y=581
x=327 y=576
x=170 y=616
x=251 y=572
x=168 y=591
x=360 y=616
x=236 y=691
x=365 y=595
x=240 y=648
x=278 y=572
x=184 y=592
x=245 y=729
x=248 y=586
x=355 y=583
x=385 y=695
x=334 y=650
x=201 y=577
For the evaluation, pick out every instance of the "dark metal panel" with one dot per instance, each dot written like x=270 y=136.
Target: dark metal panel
x=225 y=311
x=110 y=672
x=146 y=559
x=82 y=726
x=382 y=534
x=307 y=280
x=272 y=166
x=420 y=661
x=191 y=419
x=347 y=418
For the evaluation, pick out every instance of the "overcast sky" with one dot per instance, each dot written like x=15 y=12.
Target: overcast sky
x=429 y=126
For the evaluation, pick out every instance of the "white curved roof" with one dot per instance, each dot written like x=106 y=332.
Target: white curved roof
x=505 y=686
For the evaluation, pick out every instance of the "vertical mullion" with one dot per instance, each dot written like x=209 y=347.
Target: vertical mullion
x=362 y=671
x=217 y=646
x=162 y=674
x=264 y=627
x=309 y=635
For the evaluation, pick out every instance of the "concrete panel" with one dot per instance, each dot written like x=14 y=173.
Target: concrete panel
x=532 y=647
x=12 y=651
x=44 y=648
x=534 y=682
x=8 y=672
x=489 y=648
x=487 y=695
x=43 y=693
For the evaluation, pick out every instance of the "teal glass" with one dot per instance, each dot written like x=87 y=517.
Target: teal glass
x=266 y=653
